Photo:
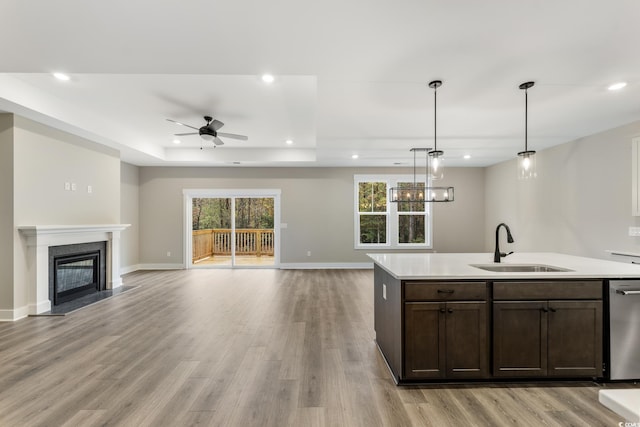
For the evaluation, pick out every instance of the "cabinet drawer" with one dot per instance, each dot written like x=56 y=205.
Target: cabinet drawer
x=445 y=291
x=552 y=289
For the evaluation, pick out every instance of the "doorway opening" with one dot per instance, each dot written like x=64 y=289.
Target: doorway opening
x=232 y=228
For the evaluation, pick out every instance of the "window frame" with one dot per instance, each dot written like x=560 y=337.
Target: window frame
x=392 y=214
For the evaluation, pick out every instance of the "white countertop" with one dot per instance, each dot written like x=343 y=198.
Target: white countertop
x=405 y=266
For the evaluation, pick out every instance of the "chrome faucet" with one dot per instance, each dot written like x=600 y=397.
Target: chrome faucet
x=497 y=255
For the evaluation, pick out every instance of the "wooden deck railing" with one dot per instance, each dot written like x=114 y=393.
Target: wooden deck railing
x=212 y=242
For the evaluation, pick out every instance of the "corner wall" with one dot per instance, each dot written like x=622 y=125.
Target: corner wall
x=580 y=204
x=6 y=213
x=129 y=214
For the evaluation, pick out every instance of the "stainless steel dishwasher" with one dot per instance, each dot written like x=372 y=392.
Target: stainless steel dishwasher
x=624 y=329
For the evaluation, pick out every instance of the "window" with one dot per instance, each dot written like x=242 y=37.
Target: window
x=381 y=224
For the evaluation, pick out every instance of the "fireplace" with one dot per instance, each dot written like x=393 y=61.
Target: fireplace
x=76 y=270
x=39 y=238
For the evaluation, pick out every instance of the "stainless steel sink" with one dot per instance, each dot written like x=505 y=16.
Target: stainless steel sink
x=520 y=268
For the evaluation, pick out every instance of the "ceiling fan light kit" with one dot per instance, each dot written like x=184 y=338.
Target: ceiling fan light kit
x=527 y=158
x=209 y=132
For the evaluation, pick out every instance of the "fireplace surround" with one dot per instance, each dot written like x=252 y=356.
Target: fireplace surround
x=40 y=238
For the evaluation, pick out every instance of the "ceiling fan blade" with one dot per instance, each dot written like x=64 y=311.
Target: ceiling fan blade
x=181 y=124
x=216 y=124
x=234 y=136
x=217 y=141
x=184 y=134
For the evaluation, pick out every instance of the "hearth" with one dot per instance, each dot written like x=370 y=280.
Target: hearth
x=76 y=270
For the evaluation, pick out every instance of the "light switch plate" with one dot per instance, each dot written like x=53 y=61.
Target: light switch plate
x=634 y=231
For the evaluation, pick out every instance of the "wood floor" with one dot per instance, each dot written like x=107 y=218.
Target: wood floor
x=245 y=348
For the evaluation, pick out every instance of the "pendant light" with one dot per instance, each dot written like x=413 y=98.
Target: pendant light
x=419 y=191
x=435 y=156
x=526 y=158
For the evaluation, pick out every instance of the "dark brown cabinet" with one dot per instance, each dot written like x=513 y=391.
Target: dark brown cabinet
x=445 y=338
x=547 y=338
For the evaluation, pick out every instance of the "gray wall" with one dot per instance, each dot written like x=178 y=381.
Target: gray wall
x=317 y=205
x=43 y=160
x=129 y=214
x=580 y=203
x=6 y=211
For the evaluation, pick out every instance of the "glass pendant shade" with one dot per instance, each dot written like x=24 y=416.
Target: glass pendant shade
x=436 y=165
x=527 y=165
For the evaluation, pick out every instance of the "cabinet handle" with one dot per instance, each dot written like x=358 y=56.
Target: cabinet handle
x=442 y=310
x=445 y=291
x=544 y=310
x=450 y=310
x=553 y=310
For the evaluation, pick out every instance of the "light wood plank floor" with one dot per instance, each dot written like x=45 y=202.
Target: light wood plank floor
x=245 y=348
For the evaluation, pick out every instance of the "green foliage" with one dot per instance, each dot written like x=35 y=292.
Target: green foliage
x=215 y=213
x=372 y=197
x=411 y=229
x=373 y=229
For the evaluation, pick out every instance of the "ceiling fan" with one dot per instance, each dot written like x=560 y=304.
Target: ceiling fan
x=209 y=132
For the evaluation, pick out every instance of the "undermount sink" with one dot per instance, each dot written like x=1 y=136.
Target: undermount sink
x=520 y=268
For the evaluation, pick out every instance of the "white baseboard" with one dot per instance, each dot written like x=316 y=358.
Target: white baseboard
x=160 y=266
x=13 y=315
x=40 y=307
x=325 y=265
x=129 y=269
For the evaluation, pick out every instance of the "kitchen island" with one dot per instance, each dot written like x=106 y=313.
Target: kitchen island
x=441 y=317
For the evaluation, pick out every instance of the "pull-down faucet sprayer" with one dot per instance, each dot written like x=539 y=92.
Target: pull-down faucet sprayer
x=497 y=254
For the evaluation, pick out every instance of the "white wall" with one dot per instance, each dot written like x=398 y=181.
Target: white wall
x=580 y=203
x=317 y=205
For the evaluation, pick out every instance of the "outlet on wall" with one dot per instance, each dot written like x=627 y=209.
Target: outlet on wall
x=67 y=186
x=308 y=253
x=168 y=253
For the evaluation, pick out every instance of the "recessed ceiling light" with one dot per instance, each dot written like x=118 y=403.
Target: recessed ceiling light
x=617 y=86
x=467 y=156
x=354 y=156
x=267 y=78
x=177 y=141
x=62 y=76
x=289 y=141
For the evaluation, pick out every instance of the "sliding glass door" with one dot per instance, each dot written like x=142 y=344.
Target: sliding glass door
x=232 y=228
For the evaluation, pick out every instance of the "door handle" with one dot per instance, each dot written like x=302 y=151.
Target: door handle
x=623 y=292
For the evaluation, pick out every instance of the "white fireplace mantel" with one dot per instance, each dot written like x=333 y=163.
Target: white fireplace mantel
x=40 y=237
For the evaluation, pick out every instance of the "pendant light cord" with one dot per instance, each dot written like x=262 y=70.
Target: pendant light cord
x=435 y=122
x=526 y=119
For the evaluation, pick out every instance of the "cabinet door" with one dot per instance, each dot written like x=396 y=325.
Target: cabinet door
x=467 y=350
x=520 y=339
x=424 y=340
x=575 y=338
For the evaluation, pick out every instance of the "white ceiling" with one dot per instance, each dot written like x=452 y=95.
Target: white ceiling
x=351 y=76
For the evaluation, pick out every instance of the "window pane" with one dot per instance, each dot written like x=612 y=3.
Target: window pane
x=411 y=228
x=412 y=207
x=373 y=229
x=372 y=197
